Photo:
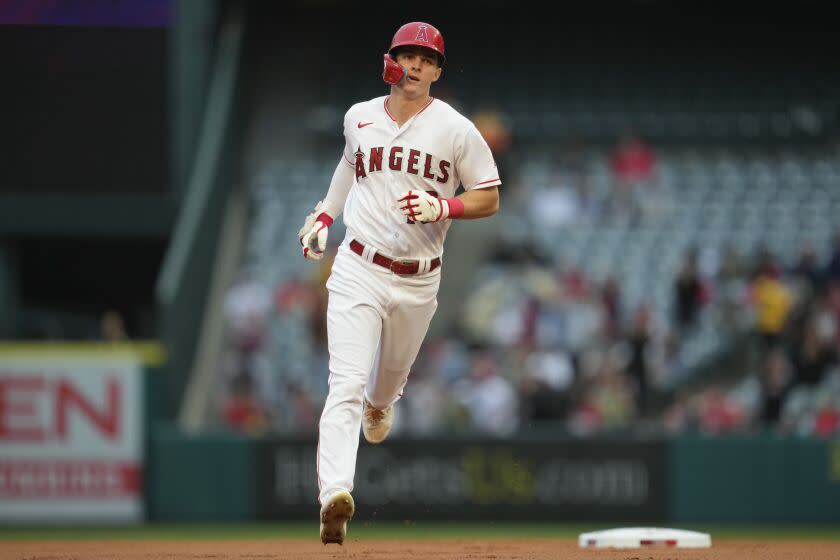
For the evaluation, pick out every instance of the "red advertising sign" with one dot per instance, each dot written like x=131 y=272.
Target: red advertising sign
x=71 y=436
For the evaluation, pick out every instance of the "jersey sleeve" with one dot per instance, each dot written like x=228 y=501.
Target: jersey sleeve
x=342 y=182
x=475 y=164
x=347 y=155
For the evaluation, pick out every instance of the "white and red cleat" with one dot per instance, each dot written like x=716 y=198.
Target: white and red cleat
x=335 y=513
x=376 y=423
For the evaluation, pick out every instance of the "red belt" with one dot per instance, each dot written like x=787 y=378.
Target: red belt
x=397 y=266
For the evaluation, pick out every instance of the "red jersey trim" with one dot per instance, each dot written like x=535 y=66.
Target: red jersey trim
x=426 y=106
x=486 y=183
x=350 y=163
x=385 y=104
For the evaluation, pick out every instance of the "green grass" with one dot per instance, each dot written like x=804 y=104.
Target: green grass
x=390 y=530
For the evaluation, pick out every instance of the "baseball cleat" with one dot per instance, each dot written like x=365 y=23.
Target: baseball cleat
x=377 y=423
x=335 y=513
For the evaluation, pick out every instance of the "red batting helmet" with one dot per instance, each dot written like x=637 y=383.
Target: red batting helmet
x=420 y=34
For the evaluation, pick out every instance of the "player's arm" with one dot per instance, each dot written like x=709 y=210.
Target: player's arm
x=342 y=181
x=313 y=234
x=479 y=203
x=478 y=173
x=421 y=206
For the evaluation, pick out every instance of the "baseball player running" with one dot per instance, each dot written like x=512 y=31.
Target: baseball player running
x=405 y=156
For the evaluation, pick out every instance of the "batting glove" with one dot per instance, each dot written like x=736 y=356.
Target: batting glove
x=313 y=234
x=420 y=206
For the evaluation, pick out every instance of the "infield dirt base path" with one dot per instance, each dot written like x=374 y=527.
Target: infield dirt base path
x=521 y=549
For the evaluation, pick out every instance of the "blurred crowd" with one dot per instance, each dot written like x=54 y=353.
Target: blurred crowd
x=635 y=193
x=792 y=383
x=541 y=347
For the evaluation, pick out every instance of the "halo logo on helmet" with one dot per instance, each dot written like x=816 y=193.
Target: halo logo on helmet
x=415 y=33
x=421 y=34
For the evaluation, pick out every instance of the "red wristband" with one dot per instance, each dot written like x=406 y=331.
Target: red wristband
x=456 y=208
x=326 y=218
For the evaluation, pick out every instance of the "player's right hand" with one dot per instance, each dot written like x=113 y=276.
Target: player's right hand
x=313 y=234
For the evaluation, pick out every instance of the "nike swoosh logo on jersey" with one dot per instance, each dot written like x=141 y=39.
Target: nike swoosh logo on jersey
x=362 y=125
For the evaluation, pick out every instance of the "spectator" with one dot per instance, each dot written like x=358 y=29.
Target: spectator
x=680 y=415
x=812 y=354
x=614 y=398
x=447 y=357
x=241 y=411
x=425 y=407
x=827 y=417
x=832 y=269
x=582 y=315
x=775 y=383
x=557 y=203
x=309 y=297
x=530 y=319
x=640 y=341
x=773 y=302
x=489 y=399
x=547 y=376
x=717 y=413
x=607 y=401
x=633 y=160
x=112 y=326
x=633 y=165
x=611 y=302
x=247 y=305
x=669 y=362
x=688 y=295
x=806 y=272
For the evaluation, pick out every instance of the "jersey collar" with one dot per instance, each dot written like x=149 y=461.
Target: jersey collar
x=385 y=104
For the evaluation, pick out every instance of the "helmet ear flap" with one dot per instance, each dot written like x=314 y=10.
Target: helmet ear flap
x=394 y=72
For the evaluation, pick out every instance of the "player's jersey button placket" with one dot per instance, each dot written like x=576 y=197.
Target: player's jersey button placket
x=398 y=246
x=395 y=214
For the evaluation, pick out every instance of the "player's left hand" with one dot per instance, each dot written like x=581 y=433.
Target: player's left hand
x=420 y=206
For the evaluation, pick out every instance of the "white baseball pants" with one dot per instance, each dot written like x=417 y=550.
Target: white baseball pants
x=376 y=323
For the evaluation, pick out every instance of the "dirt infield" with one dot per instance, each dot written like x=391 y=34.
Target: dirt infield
x=520 y=549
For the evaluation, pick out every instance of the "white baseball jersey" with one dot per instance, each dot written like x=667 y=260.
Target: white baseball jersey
x=436 y=150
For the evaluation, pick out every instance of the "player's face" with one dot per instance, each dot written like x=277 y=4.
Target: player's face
x=421 y=67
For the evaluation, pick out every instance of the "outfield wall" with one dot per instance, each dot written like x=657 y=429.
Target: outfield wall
x=477 y=479
x=745 y=480
x=754 y=479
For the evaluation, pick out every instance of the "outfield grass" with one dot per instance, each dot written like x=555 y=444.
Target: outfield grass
x=390 y=530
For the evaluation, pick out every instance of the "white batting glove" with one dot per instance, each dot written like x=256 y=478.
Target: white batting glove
x=313 y=234
x=420 y=206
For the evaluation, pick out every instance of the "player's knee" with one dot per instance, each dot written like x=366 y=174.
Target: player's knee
x=347 y=387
